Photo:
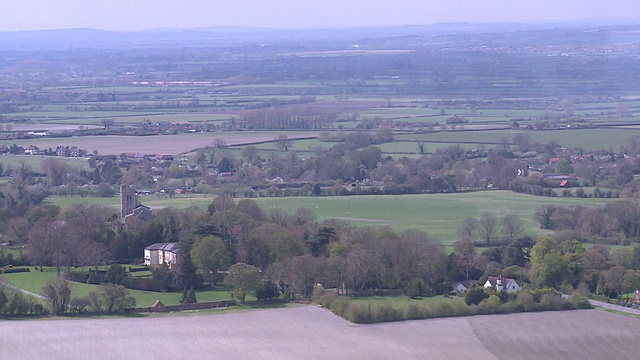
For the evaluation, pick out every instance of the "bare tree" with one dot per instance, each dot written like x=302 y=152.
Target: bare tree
x=283 y=143
x=487 y=226
x=468 y=228
x=512 y=227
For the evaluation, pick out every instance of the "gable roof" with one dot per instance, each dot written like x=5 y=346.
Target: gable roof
x=173 y=247
x=493 y=280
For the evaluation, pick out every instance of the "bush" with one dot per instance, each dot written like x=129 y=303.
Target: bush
x=15 y=270
x=339 y=306
x=359 y=314
x=327 y=299
x=144 y=268
x=491 y=305
x=115 y=274
x=143 y=284
x=96 y=279
x=412 y=312
x=79 y=305
x=474 y=296
x=579 y=301
x=77 y=276
x=526 y=301
x=385 y=313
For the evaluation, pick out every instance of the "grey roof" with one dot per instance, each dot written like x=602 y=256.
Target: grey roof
x=171 y=247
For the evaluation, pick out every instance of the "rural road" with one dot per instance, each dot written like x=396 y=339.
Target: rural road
x=615 y=307
x=610 y=306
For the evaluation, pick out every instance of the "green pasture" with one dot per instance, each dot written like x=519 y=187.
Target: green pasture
x=35 y=161
x=401 y=302
x=35 y=280
x=440 y=215
x=588 y=139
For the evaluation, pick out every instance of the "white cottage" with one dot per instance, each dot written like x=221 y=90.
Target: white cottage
x=501 y=283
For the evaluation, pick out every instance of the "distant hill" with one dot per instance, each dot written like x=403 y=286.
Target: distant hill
x=213 y=36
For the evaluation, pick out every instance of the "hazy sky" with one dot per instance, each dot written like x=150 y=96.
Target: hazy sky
x=151 y=14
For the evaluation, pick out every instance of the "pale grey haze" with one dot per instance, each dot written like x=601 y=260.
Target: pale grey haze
x=297 y=14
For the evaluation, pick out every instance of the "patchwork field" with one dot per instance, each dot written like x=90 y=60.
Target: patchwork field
x=308 y=332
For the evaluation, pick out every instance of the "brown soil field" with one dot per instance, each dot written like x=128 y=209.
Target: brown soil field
x=159 y=144
x=308 y=332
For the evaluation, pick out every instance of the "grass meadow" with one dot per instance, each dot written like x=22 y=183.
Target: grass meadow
x=440 y=215
x=35 y=280
x=401 y=302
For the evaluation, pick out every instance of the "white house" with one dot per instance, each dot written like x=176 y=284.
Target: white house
x=463 y=286
x=501 y=283
x=163 y=253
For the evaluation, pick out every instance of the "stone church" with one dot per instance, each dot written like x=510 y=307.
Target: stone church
x=130 y=206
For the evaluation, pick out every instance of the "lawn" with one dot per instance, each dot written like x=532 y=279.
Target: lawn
x=34 y=281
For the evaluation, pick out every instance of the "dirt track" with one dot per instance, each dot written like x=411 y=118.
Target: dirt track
x=311 y=333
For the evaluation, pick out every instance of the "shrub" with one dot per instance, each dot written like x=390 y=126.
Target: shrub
x=142 y=284
x=474 y=296
x=579 y=301
x=327 y=299
x=115 y=274
x=339 y=306
x=385 y=313
x=15 y=270
x=79 y=305
x=77 y=276
x=96 y=279
x=412 y=312
x=359 y=314
x=527 y=301
x=491 y=305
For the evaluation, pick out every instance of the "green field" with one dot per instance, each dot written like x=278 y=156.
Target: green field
x=440 y=215
x=401 y=302
x=34 y=281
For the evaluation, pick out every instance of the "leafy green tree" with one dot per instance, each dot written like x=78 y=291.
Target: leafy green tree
x=475 y=295
x=188 y=297
x=185 y=273
x=225 y=165
x=267 y=290
x=191 y=296
x=163 y=274
x=553 y=271
x=209 y=254
x=564 y=167
x=115 y=274
x=244 y=278
x=282 y=245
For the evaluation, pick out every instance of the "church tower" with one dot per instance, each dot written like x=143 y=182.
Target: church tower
x=128 y=201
